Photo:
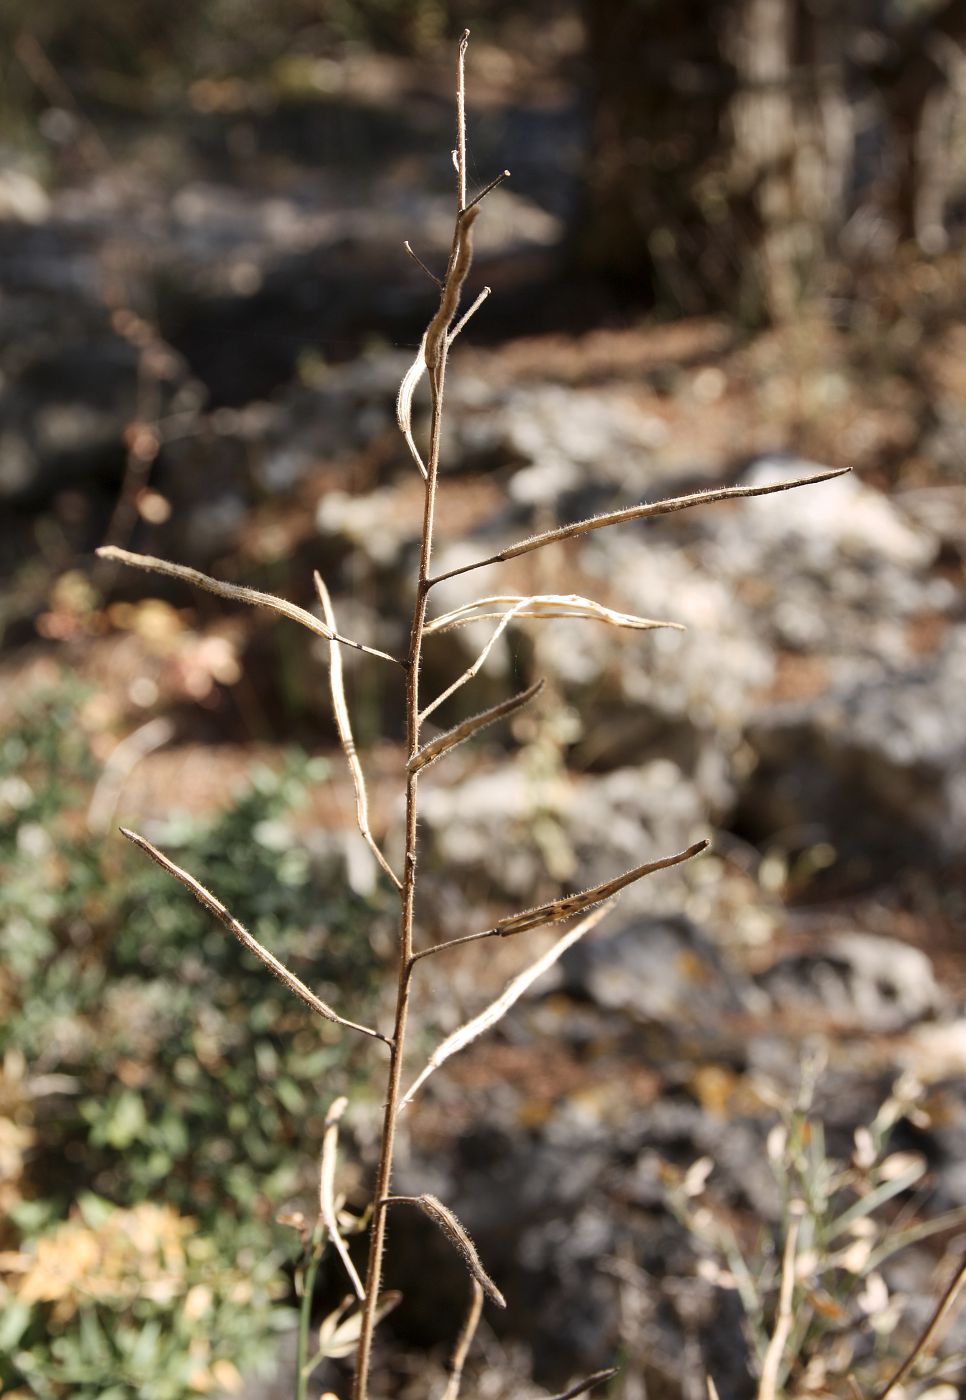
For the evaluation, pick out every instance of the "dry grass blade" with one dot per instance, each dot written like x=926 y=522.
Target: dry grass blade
x=929 y=1333
x=768 y=1386
x=344 y=727
x=641 y=512
x=404 y=401
x=497 y=1009
x=464 y=1341
x=237 y=593
x=572 y=904
x=330 y=1218
x=215 y=907
x=582 y=1387
x=540 y=605
x=435 y=749
x=457 y=1236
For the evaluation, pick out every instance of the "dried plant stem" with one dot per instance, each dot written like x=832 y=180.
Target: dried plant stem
x=215 y=907
x=943 y=1308
x=464 y=1341
x=344 y=726
x=237 y=593
x=641 y=512
x=442 y=744
x=435 y=349
x=568 y=906
x=330 y=1147
x=768 y=1386
x=582 y=1387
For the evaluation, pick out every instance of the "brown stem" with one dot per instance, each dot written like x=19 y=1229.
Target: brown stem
x=377 y=1237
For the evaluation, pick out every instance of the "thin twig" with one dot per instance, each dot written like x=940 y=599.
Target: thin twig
x=442 y=744
x=330 y=1147
x=503 y=175
x=215 y=907
x=771 y=1364
x=497 y=1009
x=942 y=1310
x=419 y=263
x=461 y=123
x=464 y=1341
x=472 y=669
x=641 y=512
x=468 y=315
x=341 y=711
x=238 y=593
x=582 y=1387
x=568 y=906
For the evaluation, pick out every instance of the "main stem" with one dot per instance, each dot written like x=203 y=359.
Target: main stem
x=437 y=373
x=377 y=1235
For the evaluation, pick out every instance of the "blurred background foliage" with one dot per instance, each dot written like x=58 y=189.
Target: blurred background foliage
x=174 y=1096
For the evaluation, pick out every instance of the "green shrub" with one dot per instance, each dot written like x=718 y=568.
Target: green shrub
x=145 y=1053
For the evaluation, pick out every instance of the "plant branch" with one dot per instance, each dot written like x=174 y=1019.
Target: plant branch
x=498 y=180
x=276 y=968
x=464 y=1341
x=582 y=1387
x=468 y=315
x=419 y=263
x=497 y=1009
x=641 y=512
x=341 y=711
x=569 y=905
x=238 y=594
x=435 y=749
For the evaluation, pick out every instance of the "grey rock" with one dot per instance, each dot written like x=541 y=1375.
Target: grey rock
x=655 y=969
x=877 y=766
x=860 y=980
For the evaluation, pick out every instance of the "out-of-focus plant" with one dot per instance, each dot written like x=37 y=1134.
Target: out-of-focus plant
x=818 y=1311
x=138 y=1048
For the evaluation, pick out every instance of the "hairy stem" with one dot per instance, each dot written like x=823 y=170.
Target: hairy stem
x=455 y=274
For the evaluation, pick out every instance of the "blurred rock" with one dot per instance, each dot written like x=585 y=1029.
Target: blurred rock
x=655 y=969
x=859 y=981
x=876 y=766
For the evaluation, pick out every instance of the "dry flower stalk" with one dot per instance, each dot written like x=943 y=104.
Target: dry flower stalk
x=431 y=360
x=464 y=1341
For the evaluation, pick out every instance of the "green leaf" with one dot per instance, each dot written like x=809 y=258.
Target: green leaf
x=14 y=1321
